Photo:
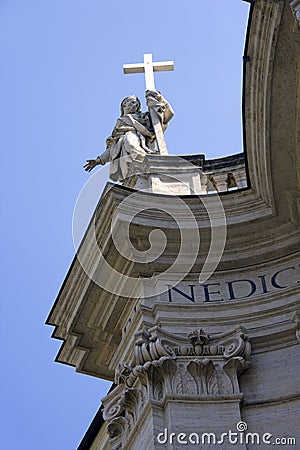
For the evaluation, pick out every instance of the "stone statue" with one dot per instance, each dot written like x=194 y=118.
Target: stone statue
x=133 y=136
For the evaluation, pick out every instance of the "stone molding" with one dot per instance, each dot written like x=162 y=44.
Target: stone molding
x=195 y=368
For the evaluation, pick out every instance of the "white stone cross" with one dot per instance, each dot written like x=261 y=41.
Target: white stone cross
x=149 y=67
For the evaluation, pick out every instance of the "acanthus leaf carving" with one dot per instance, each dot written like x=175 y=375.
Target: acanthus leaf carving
x=199 y=369
x=234 y=367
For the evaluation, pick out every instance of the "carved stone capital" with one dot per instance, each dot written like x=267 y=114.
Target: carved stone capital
x=193 y=368
x=194 y=365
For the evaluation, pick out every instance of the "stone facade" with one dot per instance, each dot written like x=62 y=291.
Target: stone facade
x=194 y=360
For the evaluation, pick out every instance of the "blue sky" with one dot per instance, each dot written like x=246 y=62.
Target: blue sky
x=61 y=84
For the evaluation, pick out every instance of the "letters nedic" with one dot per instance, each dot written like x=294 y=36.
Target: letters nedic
x=238 y=289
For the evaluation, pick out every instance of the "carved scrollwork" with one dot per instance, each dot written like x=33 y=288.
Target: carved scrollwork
x=116 y=427
x=149 y=346
x=237 y=345
x=121 y=409
x=116 y=430
x=155 y=345
x=233 y=347
x=114 y=411
x=207 y=374
x=124 y=402
x=124 y=375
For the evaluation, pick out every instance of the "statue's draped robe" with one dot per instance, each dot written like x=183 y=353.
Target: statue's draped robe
x=133 y=137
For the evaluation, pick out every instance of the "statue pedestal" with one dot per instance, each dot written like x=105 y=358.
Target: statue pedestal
x=170 y=175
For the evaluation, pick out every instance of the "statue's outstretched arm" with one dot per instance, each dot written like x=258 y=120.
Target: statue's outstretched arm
x=91 y=163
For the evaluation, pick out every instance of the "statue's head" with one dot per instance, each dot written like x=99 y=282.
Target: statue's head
x=131 y=101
